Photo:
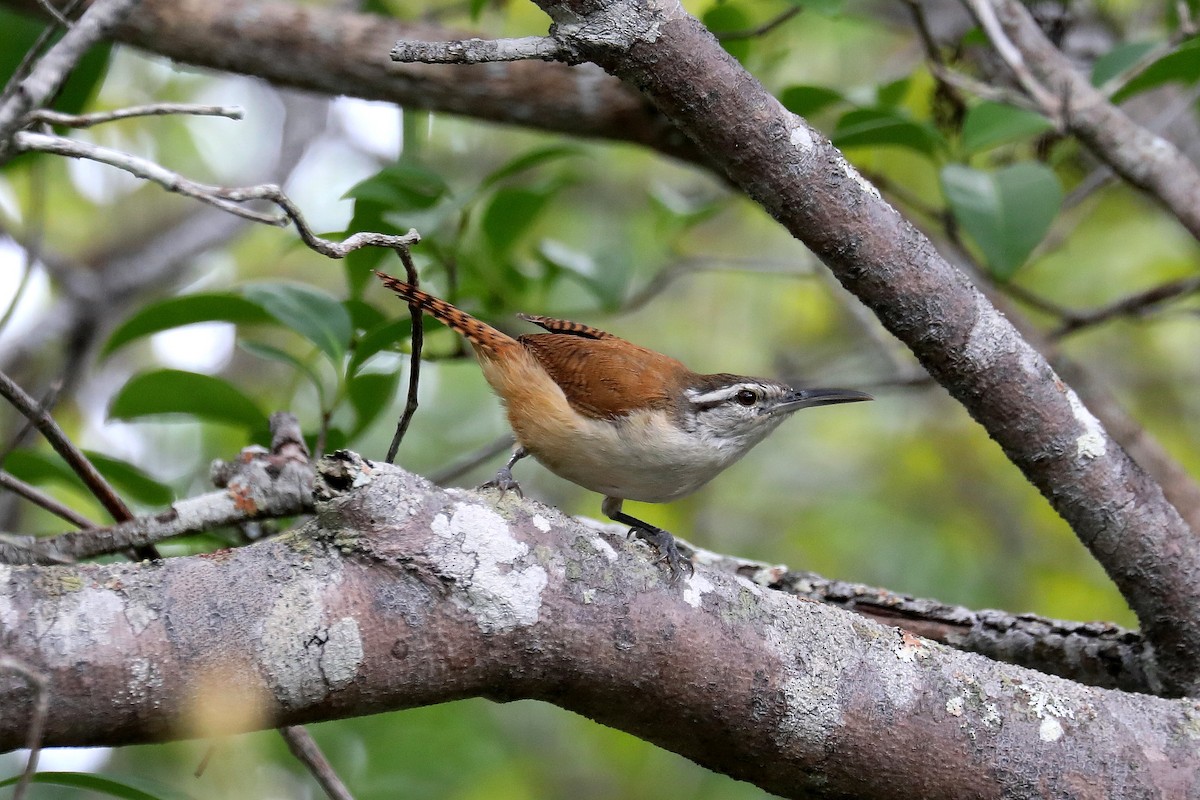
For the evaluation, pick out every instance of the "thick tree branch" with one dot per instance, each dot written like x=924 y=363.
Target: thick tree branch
x=1118 y=511
x=347 y=53
x=398 y=594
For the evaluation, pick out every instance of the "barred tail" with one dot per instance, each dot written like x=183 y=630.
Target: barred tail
x=566 y=326
x=485 y=338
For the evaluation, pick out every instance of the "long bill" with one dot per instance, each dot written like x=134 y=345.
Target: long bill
x=810 y=398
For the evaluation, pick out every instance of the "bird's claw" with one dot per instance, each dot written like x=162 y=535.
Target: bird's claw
x=664 y=542
x=505 y=482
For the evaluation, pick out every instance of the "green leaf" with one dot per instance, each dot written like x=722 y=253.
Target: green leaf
x=270 y=353
x=363 y=315
x=132 y=482
x=808 y=100
x=370 y=395
x=170 y=391
x=309 y=312
x=892 y=94
x=729 y=18
x=877 y=127
x=38 y=468
x=828 y=8
x=509 y=214
x=528 y=161
x=1006 y=212
x=400 y=186
x=42 y=468
x=377 y=339
x=19 y=32
x=123 y=788
x=476 y=8
x=990 y=124
x=1117 y=60
x=187 y=310
x=1182 y=65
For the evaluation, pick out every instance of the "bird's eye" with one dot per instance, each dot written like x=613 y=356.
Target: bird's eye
x=746 y=397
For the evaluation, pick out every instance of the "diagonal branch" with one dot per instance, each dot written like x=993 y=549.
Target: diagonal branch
x=74 y=457
x=1114 y=507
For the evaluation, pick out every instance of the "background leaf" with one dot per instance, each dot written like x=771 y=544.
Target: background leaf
x=311 y=313
x=878 y=127
x=808 y=100
x=175 y=312
x=126 y=788
x=1006 y=212
x=1181 y=65
x=990 y=124
x=171 y=391
x=132 y=483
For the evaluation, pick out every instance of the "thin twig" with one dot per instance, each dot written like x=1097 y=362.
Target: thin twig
x=41 y=706
x=305 y=748
x=34 y=53
x=414 y=364
x=52 y=69
x=57 y=15
x=74 y=457
x=984 y=91
x=223 y=197
x=1133 y=306
x=761 y=30
x=40 y=498
x=1046 y=102
x=51 y=117
x=22 y=285
x=469 y=462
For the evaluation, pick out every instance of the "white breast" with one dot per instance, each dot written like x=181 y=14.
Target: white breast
x=640 y=457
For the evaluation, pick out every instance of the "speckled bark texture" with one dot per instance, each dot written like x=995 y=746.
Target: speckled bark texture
x=399 y=594
x=793 y=171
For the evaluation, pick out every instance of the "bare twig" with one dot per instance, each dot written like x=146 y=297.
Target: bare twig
x=54 y=13
x=761 y=30
x=40 y=498
x=74 y=457
x=1133 y=306
x=469 y=462
x=478 y=51
x=51 y=117
x=1046 y=102
x=41 y=706
x=414 y=364
x=305 y=748
x=52 y=69
x=225 y=198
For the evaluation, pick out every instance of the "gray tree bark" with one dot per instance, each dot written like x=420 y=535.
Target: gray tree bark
x=399 y=594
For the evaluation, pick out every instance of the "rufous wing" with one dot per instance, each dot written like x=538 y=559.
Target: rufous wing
x=606 y=377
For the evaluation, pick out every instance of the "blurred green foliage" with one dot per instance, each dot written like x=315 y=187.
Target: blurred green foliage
x=906 y=492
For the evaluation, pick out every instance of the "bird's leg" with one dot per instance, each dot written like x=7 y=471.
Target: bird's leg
x=662 y=540
x=504 y=480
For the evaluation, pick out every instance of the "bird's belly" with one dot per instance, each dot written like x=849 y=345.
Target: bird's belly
x=641 y=457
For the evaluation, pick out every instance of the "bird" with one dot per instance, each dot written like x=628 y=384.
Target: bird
x=617 y=418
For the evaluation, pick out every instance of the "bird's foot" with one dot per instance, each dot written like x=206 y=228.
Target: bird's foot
x=664 y=542
x=505 y=482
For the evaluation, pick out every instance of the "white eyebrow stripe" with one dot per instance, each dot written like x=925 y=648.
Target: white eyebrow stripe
x=722 y=394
